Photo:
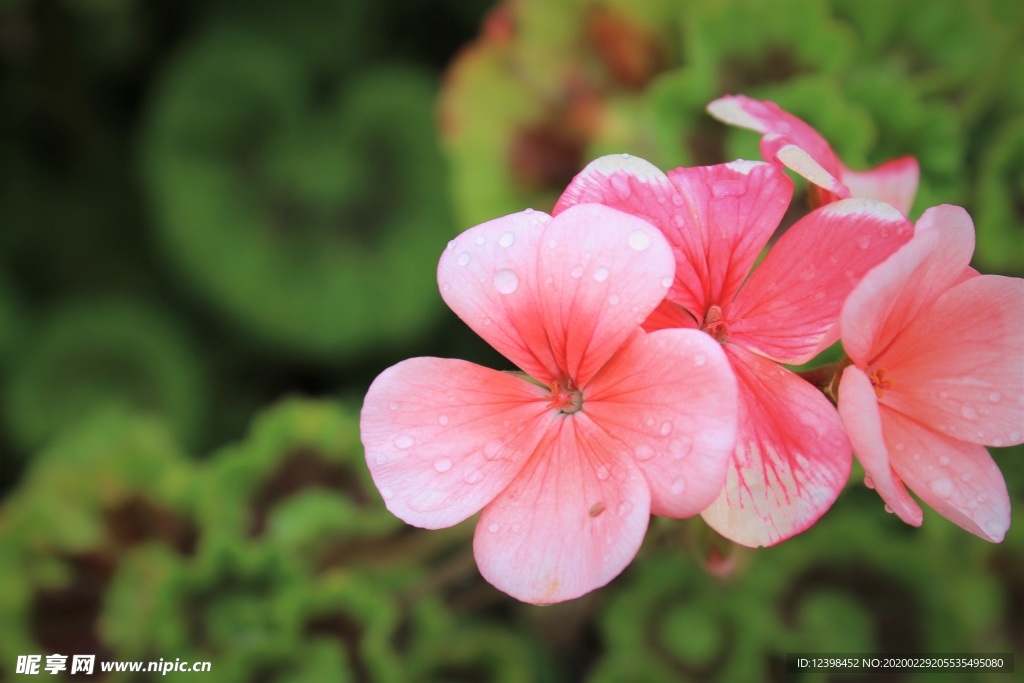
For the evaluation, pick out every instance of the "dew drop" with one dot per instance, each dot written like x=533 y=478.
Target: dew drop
x=613 y=299
x=666 y=428
x=381 y=459
x=968 y=412
x=487 y=321
x=443 y=420
x=639 y=240
x=982 y=497
x=481 y=240
x=680 y=448
x=473 y=477
x=576 y=272
x=993 y=528
x=492 y=449
x=506 y=281
x=943 y=394
x=864 y=241
x=601 y=274
x=966 y=476
x=393 y=406
x=463 y=259
x=507 y=240
x=944 y=460
x=995 y=396
x=917 y=457
x=625 y=508
x=528 y=211
x=868 y=481
x=442 y=464
x=493 y=528
x=678 y=486
x=602 y=472
x=941 y=487
x=644 y=452
x=700 y=359
x=677 y=199
x=900 y=446
x=446 y=287
x=973 y=504
x=888 y=508
x=404 y=441
x=451 y=244
x=1014 y=436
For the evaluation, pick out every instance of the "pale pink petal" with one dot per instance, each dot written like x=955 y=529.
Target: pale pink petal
x=958 y=480
x=827 y=188
x=892 y=295
x=792 y=457
x=602 y=272
x=444 y=437
x=626 y=183
x=668 y=400
x=959 y=366
x=570 y=521
x=859 y=410
x=488 y=276
x=669 y=315
x=789 y=308
x=730 y=212
x=893 y=182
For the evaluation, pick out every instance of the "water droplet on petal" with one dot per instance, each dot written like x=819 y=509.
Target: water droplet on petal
x=666 y=282
x=528 y=211
x=507 y=240
x=404 y=441
x=941 y=487
x=463 y=259
x=473 y=477
x=492 y=449
x=982 y=497
x=576 y=272
x=944 y=460
x=868 y=481
x=392 y=406
x=968 y=412
x=493 y=528
x=625 y=508
x=381 y=459
x=442 y=420
x=888 y=508
x=917 y=457
x=506 y=281
x=1014 y=436
x=700 y=359
x=442 y=464
x=446 y=287
x=993 y=528
x=900 y=446
x=639 y=240
x=644 y=452
x=666 y=428
x=995 y=396
x=966 y=476
x=481 y=240
x=678 y=486
x=601 y=274
x=680 y=448
x=863 y=241
x=613 y=299
x=602 y=472
x=487 y=321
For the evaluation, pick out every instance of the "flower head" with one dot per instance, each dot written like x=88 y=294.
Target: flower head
x=792 y=456
x=793 y=144
x=608 y=425
x=937 y=375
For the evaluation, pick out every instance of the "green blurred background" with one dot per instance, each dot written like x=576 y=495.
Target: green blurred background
x=219 y=220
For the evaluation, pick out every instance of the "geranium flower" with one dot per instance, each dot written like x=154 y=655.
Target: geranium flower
x=607 y=425
x=797 y=146
x=792 y=455
x=937 y=374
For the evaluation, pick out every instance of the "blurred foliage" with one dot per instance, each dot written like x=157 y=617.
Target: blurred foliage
x=208 y=206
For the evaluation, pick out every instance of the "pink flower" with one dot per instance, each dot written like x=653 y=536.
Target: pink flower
x=611 y=424
x=795 y=145
x=792 y=456
x=938 y=373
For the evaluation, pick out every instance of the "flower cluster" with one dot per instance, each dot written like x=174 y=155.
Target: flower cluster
x=653 y=347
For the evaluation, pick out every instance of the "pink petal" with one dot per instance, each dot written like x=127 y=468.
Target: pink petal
x=668 y=400
x=826 y=187
x=444 y=437
x=488 y=276
x=626 y=183
x=669 y=315
x=859 y=410
x=892 y=295
x=602 y=272
x=959 y=366
x=958 y=480
x=893 y=182
x=570 y=522
x=730 y=212
x=792 y=457
x=789 y=308
x=788 y=139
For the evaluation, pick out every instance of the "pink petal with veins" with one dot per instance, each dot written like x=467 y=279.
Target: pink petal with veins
x=570 y=522
x=668 y=400
x=893 y=182
x=789 y=308
x=444 y=437
x=792 y=456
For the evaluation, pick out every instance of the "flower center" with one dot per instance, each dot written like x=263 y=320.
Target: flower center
x=880 y=382
x=715 y=325
x=565 y=397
